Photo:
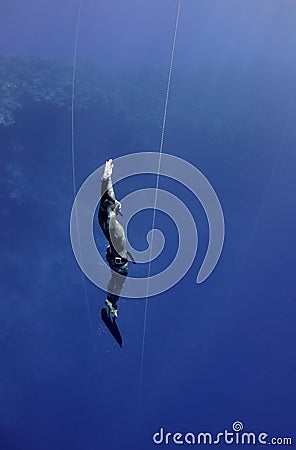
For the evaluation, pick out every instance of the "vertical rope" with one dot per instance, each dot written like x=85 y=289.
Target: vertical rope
x=73 y=163
x=269 y=184
x=264 y=200
x=156 y=193
x=73 y=103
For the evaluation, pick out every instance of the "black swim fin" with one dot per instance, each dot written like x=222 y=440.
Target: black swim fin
x=111 y=325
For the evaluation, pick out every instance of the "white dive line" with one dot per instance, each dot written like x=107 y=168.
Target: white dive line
x=156 y=194
x=73 y=164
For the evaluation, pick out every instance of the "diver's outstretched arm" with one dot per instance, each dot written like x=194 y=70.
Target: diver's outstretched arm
x=107 y=186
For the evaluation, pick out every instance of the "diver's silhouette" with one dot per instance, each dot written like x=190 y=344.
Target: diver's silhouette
x=116 y=254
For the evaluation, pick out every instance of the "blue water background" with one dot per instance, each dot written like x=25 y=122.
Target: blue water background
x=216 y=352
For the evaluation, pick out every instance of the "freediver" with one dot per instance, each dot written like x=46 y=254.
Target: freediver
x=116 y=253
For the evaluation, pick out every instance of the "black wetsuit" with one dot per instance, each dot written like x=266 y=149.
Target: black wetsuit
x=117 y=263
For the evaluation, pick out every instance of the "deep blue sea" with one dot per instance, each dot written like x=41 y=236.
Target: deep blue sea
x=196 y=358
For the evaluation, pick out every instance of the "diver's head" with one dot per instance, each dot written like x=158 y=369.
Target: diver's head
x=117 y=208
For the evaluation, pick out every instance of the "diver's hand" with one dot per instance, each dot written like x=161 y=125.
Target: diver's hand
x=108 y=169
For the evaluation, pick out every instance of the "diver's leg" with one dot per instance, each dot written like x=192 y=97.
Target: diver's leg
x=116 y=283
x=112 y=297
x=120 y=278
x=112 y=283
